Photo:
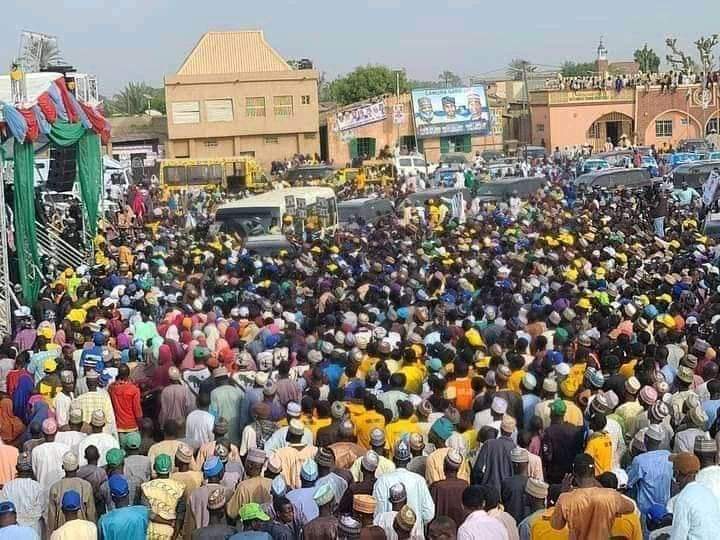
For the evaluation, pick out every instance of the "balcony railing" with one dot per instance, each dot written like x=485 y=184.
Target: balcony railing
x=560 y=97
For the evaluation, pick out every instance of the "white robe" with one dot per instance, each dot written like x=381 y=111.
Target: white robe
x=47 y=464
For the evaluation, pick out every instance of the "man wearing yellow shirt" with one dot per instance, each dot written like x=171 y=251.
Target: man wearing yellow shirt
x=323 y=418
x=413 y=371
x=599 y=444
x=404 y=425
x=517 y=362
x=367 y=421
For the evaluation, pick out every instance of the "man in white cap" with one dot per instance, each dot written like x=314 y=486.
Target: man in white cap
x=176 y=399
x=96 y=399
x=294 y=454
x=100 y=440
x=418 y=494
x=70 y=482
x=47 y=457
x=279 y=438
x=227 y=400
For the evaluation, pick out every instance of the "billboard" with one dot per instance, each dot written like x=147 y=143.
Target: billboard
x=360 y=116
x=442 y=112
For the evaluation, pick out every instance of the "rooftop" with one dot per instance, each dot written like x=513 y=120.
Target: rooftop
x=243 y=51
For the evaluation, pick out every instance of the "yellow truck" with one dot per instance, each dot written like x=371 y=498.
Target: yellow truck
x=231 y=174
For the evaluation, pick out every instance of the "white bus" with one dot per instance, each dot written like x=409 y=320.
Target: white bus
x=263 y=214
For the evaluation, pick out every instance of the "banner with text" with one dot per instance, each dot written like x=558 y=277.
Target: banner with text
x=360 y=116
x=443 y=112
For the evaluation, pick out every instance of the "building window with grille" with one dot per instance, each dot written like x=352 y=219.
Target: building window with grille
x=310 y=136
x=362 y=147
x=272 y=140
x=186 y=112
x=219 y=110
x=663 y=128
x=283 y=106
x=457 y=143
x=305 y=100
x=255 y=107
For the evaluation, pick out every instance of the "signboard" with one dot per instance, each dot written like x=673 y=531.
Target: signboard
x=360 y=116
x=301 y=210
x=441 y=112
x=322 y=206
x=398 y=114
x=290 y=204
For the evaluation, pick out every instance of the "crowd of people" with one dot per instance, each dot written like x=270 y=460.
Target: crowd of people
x=527 y=369
x=667 y=81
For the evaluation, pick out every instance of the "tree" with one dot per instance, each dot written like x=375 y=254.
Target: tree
x=365 y=82
x=577 y=69
x=448 y=79
x=517 y=66
x=648 y=61
x=135 y=99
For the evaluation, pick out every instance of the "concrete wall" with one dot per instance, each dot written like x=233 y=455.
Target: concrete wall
x=386 y=132
x=683 y=107
x=570 y=123
x=268 y=137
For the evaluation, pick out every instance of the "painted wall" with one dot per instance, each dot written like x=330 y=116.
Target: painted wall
x=570 y=124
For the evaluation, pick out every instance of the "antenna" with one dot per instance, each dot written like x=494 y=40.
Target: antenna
x=38 y=51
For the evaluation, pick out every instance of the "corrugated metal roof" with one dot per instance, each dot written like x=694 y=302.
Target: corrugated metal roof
x=232 y=52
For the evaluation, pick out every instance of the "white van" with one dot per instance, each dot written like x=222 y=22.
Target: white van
x=413 y=164
x=263 y=214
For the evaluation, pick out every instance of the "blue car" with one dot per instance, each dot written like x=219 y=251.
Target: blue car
x=649 y=163
x=592 y=164
x=681 y=157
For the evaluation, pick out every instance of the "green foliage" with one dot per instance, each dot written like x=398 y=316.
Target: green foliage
x=648 y=61
x=516 y=66
x=365 y=82
x=446 y=79
x=577 y=69
x=133 y=99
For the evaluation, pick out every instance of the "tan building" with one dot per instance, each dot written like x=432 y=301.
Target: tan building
x=369 y=139
x=234 y=95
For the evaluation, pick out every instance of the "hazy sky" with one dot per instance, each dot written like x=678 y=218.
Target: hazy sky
x=136 y=40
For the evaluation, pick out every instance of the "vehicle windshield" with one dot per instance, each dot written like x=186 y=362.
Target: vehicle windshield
x=247 y=221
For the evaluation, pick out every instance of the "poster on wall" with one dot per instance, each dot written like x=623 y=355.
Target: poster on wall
x=360 y=116
x=441 y=112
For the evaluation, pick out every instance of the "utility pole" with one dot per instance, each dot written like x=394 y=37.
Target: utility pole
x=527 y=104
x=397 y=106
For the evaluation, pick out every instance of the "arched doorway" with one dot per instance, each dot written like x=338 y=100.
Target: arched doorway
x=611 y=125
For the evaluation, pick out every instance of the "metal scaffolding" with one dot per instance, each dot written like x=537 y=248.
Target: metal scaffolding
x=6 y=290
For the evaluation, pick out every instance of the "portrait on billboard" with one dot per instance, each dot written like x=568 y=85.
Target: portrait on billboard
x=451 y=111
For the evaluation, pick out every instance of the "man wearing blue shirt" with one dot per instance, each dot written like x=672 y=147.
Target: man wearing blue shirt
x=9 y=529
x=650 y=473
x=696 y=513
x=125 y=522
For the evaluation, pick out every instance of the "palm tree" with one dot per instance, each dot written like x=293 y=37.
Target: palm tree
x=517 y=66
x=133 y=99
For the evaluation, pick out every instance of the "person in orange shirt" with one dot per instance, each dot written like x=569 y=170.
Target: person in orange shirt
x=462 y=384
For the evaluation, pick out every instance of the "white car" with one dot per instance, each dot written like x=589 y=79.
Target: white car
x=413 y=164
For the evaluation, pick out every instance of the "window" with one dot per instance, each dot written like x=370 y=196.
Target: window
x=254 y=107
x=458 y=143
x=283 y=106
x=366 y=146
x=663 y=128
x=310 y=136
x=305 y=100
x=712 y=125
x=219 y=110
x=272 y=140
x=211 y=144
x=186 y=112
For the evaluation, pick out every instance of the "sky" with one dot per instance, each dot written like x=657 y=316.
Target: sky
x=144 y=40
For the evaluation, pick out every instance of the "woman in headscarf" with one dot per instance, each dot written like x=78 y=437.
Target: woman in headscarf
x=161 y=378
x=11 y=427
x=21 y=384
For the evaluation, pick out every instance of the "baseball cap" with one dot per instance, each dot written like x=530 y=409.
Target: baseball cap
x=7 y=507
x=163 y=464
x=118 y=486
x=252 y=511
x=558 y=407
x=133 y=440
x=71 y=501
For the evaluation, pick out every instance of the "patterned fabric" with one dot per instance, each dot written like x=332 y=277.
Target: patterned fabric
x=163 y=495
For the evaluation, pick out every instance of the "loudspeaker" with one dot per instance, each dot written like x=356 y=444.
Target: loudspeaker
x=61 y=175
